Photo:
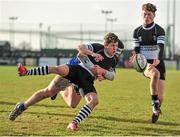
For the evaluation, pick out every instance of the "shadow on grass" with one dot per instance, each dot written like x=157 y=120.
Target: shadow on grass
x=39 y=105
x=160 y=131
x=148 y=131
x=107 y=118
x=46 y=113
x=112 y=119
x=140 y=121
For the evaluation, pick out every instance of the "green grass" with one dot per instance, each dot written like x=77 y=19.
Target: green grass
x=124 y=109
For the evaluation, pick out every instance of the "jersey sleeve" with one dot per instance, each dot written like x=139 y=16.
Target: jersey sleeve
x=136 y=43
x=94 y=47
x=89 y=46
x=97 y=47
x=161 y=42
x=161 y=36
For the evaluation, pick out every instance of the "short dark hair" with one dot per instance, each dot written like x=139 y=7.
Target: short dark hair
x=150 y=7
x=110 y=37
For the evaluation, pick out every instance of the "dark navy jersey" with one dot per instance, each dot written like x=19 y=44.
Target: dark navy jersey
x=109 y=62
x=149 y=40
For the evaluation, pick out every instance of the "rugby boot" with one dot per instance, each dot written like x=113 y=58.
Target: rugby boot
x=54 y=97
x=22 y=71
x=19 y=108
x=156 y=112
x=72 y=126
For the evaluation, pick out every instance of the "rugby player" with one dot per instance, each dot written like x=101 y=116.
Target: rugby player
x=149 y=40
x=97 y=61
x=70 y=92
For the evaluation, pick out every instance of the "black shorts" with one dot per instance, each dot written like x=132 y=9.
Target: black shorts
x=161 y=68
x=82 y=78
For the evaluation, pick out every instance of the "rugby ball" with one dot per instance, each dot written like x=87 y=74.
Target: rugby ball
x=140 y=62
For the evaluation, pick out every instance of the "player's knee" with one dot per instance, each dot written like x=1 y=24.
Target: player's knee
x=62 y=70
x=72 y=105
x=156 y=74
x=94 y=102
x=47 y=93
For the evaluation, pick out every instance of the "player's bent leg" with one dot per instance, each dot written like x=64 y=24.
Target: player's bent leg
x=19 y=108
x=40 y=95
x=154 y=92
x=155 y=116
x=154 y=75
x=61 y=70
x=161 y=91
x=52 y=89
x=154 y=81
x=70 y=96
x=22 y=70
x=92 y=101
x=36 y=97
x=60 y=83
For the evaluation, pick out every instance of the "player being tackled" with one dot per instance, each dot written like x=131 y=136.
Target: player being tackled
x=104 y=60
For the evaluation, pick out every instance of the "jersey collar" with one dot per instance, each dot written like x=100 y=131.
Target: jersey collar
x=107 y=55
x=148 y=27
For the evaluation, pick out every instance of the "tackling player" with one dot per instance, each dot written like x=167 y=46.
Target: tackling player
x=97 y=61
x=68 y=88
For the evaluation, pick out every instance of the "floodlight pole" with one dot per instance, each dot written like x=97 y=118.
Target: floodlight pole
x=112 y=20
x=12 y=30
x=40 y=36
x=174 y=33
x=48 y=44
x=106 y=12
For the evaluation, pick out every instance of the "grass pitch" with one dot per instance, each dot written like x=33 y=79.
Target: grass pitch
x=124 y=109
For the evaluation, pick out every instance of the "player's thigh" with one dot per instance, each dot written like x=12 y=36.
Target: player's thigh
x=73 y=94
x=70 y=96
x=57 y=84
x=63 y=70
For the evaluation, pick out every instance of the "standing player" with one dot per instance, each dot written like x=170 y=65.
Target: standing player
x=97 y=61
x=149 y=40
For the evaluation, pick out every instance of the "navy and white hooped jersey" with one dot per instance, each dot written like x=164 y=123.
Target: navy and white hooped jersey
x=109 y=62
x=148 y=39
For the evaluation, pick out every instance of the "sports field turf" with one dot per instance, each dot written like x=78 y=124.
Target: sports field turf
x=124 y=109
